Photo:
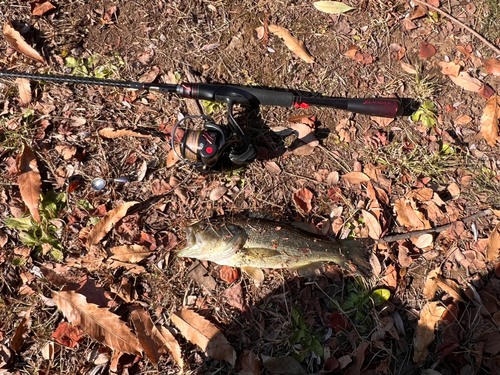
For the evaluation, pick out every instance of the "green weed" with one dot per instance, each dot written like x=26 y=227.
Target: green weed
x=304 y=339
x=39 y=235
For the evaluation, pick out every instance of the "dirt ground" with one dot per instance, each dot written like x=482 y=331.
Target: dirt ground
x=437 y=168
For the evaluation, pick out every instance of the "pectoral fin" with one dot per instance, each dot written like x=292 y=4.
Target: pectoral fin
x=310 y=270
x=254 y=273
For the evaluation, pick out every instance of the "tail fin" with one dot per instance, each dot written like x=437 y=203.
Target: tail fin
x=357 y=252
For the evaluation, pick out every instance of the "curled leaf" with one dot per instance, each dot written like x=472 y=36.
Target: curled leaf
x=24 y=87
x=112 y=133
x=465 y=81
x=18 y=43
x=429 y=316
x=374 y=228
x=303 y=198
x=356 y=177
x=293 y=44
x=492 y=66
x=29 y=181
x=489 y=121
x=207 y=336
x=107 y=222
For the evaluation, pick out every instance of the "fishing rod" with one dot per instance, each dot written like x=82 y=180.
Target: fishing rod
x=210 y=147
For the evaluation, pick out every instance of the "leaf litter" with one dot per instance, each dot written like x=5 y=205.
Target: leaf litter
x=341 y=195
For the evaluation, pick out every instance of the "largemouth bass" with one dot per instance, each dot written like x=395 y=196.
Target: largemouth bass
x=253 y=244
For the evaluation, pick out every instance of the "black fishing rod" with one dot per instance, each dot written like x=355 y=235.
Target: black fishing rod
x=206 y=148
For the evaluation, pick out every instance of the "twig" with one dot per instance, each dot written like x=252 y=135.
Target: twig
x=417 y=233
x=453 y=19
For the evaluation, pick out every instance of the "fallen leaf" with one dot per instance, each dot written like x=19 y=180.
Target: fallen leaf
x=99 y=323
x=150 y=76
x=465 y=81
x=107 y=222
x=283 y=365
x=303 y=198
x=24 y=87
x=293 y=44
x=356 y=177
x=359 y=358
x=429 y=316
x=486 y=91
x=332 y=7
x=234 y=297
x=39 y=8
x=272 y=167
x=16 y=40
x=229 y=274
x=18 y=338
x=462 y=120
x=408 y=68
x=431 y=285
x=450 y=68
x=259 y=32
x=493 y=246
x=67 y=152
x=492 y=66
x=129 y=253
x=338 y=322
x=210 y=47
x=454 y=190
x=418 y=12
x=203 y=333
x=423 y=241
x=49 y=350
x=172 y=157
x=112 y=133
x=218 y=193
x=67 y=334
x=29 y=181
x=374 y=228
x=250 y=363
x=427 y=50
x=305 y=133
x=489 y=121
x=166 y=340
x=144 y=327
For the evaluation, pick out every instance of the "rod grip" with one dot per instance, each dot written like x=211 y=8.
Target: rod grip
x=386 y=107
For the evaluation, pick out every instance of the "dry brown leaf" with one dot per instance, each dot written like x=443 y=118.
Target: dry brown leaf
x=18 y=338
x=427 y=50
x=489 y=121
x=144 y=328
x=67 y=152
x=130 y=253
x=454 y=190
x=423 y=241
x=167 y=341
x=462 y=120
x=429 y=316
x=303 y=198
x=150 y=76
x=402 y=217
x=492 y=66
x=450 y=68
x=99 y=323
x=408 y=68
x=465 y=81
x=16 y=40
x=250 y=363
x=493 y=246
x=450 y=287
x=107 y=222
x=293 y=44
x=305 y=133
x=374 y=228
x=112 y=133
x=172 y=157
x=203 y=333
x=217 y=193
x=356 y=177
x=24 y=87
x=39 y=8
x=29 y=181
x=431 y=285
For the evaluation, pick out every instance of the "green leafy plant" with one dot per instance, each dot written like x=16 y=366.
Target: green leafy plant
x=360 y=301
x=38 y=235
x=212 y=107
x=304 y=339
x=88 y=67
x=427 y=113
